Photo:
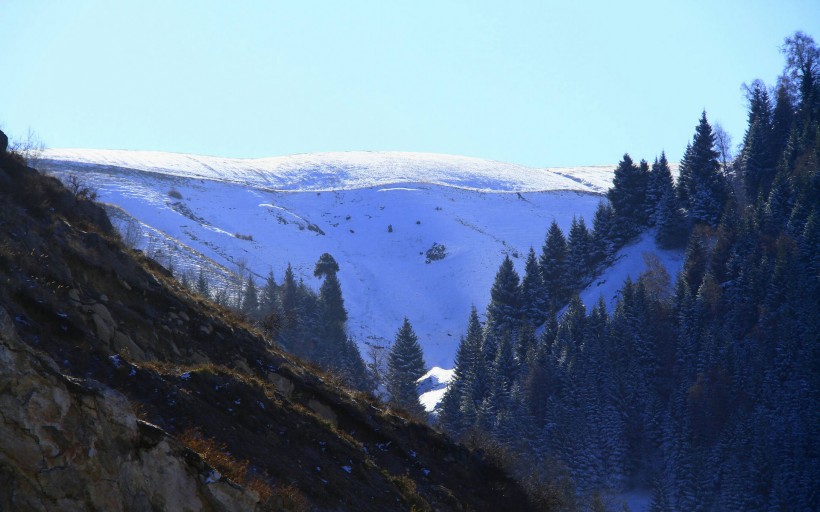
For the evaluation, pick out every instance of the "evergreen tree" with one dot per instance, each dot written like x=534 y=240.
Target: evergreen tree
x=628 y=199
x=659 y=183
x=670 y=222
x=504 y=310
x=405 y=366
x=579 y=265
x=250 y=299
x=757 y=162
x=782 y=121
x=202 y=287
x=702 y=188
x=269 y=296
x=533 y=295
x=603 y=244
x=289 y=299
x=554 y=267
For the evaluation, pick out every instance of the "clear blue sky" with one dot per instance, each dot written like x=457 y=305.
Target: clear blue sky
x=537 y=83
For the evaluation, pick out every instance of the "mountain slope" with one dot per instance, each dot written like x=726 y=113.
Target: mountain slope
x=377 y=213
x=99 y=317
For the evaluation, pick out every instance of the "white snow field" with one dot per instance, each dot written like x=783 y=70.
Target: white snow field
x=297 y=207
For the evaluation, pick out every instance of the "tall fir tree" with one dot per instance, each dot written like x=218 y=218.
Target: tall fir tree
x=628 y=199
x=250 y=299
x=603 y=243
x=702 y=188
x=553 y=263
x=579 y=264
x=269 y=296
x=757 y=162
x=504 y=311
x=202 y=286
x=659 y=182
x=405 y=366
x=533 y=295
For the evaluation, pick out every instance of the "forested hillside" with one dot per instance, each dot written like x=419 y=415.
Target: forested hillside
x=704 y=387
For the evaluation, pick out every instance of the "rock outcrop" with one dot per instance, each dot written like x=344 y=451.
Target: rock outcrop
x=67 y=444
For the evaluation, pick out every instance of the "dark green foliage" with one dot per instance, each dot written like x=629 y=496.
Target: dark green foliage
x=533 y=294
x=250 y=299
x=202 y=287
x=504 y=311
x=314 y=326
x=702 y=188
x=603 y=244
x=325 y=266
x=659 y=183
x=670 y=222
x=711 y=395
x=405 y=365
x=628 y=199
x=579 y=249
x=757 y=160
x=553 y=263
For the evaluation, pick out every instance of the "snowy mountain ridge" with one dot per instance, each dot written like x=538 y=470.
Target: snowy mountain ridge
x=348 y=170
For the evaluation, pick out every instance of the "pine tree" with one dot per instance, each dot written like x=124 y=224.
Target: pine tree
x=533 y=295
x=250 y=299
x=628 y=199
x=782 y=121
x=202 y=284
x=504 y=310
x=757 y=163
x=660 y=181
x=405 y=366
x=702 y=188
x=289 y=299
x=554 y=267
x=670 y=222
x=269 y=296
x=579 y=244
x=603 y=244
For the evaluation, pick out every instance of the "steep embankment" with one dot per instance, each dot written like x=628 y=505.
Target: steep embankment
x=95 y=336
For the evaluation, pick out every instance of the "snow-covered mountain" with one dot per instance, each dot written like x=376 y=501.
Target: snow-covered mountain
x=377 y=213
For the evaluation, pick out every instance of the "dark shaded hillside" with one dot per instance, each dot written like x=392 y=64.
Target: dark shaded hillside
x=97 y=319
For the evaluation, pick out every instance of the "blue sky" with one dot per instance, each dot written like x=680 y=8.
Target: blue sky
x=535 y=83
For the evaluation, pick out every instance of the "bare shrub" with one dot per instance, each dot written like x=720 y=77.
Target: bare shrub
x=80 y=188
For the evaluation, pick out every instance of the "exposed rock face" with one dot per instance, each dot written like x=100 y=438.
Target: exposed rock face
x=4 y=144
x=71 y=445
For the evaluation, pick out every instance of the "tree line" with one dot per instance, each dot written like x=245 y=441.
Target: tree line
x=705 y=389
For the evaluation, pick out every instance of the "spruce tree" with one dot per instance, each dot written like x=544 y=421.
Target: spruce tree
x=202 y=287
x=553 y=263
x=628 y=199
x=659 y=182
x=603 y=244
x=250 y=299
x=702 y=187
x=269 y=296
x=579 y=265
x=289 y=299
x=757 y=162
x=533 y=296
x=670 y=222
x=504 y=310
x=405 y=366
